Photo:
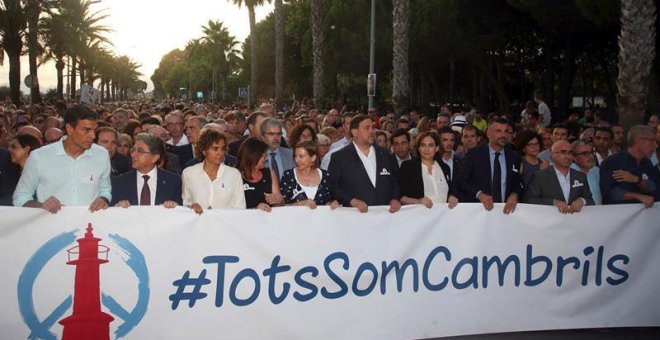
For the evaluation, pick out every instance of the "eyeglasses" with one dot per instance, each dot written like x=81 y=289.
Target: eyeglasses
x=648 y=139
x=39 y=121
x=533 y=145
x=564 y=152
x=585 y=153
x=140 y=151
x=273 y=134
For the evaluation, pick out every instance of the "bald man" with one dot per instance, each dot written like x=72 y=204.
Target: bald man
x=559 y=185
x=52 y=135
x=30 y=130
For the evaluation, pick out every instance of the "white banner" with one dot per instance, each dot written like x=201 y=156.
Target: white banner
x=297 y=273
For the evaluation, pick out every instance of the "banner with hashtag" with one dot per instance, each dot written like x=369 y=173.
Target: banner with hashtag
x=329 y=274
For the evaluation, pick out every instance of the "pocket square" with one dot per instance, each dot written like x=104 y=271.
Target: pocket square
x=384 y=172
x=577 y=184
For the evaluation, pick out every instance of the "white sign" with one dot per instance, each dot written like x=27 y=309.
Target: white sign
x=89 y=95
x=323 y=274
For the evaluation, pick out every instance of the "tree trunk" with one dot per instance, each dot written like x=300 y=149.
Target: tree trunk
x=565 y=82
x=279 y=53
x=59 y=66
x=636 y=55
x=14 y=76
x=318 y=44
x=253 y=56
x=32 y=12
x=401 y=42
x=73 y=78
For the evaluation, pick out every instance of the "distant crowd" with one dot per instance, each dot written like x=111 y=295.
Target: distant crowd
x=204 y=156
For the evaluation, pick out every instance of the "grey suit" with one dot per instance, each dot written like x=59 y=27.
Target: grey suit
x=286 y=157
x=544 y=188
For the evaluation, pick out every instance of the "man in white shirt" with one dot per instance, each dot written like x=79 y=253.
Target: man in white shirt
x=174 y=124
x=362 y=174
x=277 y=158
x=401 y=146
x=447 y=138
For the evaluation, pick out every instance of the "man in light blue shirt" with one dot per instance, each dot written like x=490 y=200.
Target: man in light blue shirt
x=73 y=171
x=278 y=158
x=585 y=161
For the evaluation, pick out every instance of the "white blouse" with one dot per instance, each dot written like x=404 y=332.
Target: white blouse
x=226 y=191
x=435 y=184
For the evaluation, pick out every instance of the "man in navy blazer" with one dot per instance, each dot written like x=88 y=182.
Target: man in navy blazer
x=474 y=178
x=162 y=187
x=362 y=174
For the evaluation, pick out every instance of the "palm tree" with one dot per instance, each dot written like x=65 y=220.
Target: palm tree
x=12 y=28
x=401 y=41
x=279 y=53
x=251 y=4
x=318 y=42
x=33 y=9
x=55 y=40
x=636 y=55
x=222 y=47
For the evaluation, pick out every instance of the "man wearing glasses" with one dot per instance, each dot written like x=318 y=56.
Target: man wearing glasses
x=629 y=176
x=559 y=185
x=279 y=159
x=584 y=161
x=174 y=124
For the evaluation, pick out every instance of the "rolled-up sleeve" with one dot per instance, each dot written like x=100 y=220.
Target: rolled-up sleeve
x=27 y=184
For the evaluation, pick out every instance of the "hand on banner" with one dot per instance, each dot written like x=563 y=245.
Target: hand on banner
x=334 y=205
x=197 y=208
x=52 y=204
x=486 y=200
x=264 y=207
x=395 y=206
x=123 y=204
x=360 y=205
x=562 y=206
x=426 y=202
x=169 y=204
x=510 y=205
x=100 y=203
x=453 y=201
x=576 y=206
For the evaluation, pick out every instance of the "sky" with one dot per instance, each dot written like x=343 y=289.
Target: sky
x=145 y=30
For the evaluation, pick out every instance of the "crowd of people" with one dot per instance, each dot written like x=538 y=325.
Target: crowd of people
x=208 y=157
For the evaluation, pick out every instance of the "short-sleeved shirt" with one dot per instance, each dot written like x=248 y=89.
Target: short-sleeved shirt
x=49 y=171
x=613 y=191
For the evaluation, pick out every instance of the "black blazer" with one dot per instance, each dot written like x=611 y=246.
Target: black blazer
x=410 y=178
x=544 y=188
x=9 y=174
x=168 y=188
x=185 y=153
x=349 y=179
x=473 y=174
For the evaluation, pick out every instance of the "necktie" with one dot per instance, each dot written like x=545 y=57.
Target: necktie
x=273 y=164
x=145 y=195
x=497 y=179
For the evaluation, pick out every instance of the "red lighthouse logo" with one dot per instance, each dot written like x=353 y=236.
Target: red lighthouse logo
x=87 y=320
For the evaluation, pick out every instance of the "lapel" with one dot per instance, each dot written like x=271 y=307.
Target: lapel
x=361 y=168
x=489 y=177
x=132 y=188
x=556 y=187
x=575 y=192
x=161 y=181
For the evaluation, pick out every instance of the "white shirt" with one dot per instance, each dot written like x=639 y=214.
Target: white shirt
x=450 y=163
x=545 y=111
x=564 y=183
x=435 y=185
x=226 y=191
x=600 y=159
x=182 y=141
x=401 y=160
x=152 y=183
x=369 y=162
x=311 y=190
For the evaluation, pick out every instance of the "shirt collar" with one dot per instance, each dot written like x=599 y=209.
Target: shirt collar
x=59 y=149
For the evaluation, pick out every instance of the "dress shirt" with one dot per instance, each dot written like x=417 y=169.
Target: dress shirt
x=401 y=160
x=369 y=162
x=49 y=171
x=450 y=163
x=600 y=159
x=152 y=183
x=336 y=146
x=182 y=141
x=564 y=183
x=435 y=186
x=504 y=173
x=226 y=191
x=593 y=178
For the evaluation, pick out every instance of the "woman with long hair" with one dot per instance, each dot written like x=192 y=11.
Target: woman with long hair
x=260 y=184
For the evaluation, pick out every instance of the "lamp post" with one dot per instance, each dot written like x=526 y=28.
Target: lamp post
x=372 y=48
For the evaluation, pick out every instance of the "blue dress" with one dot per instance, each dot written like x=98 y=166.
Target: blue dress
x=293 y=192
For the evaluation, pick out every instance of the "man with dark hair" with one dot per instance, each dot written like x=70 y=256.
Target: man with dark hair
x=559 y=132
x=107 y=138
x=401 y=146
x=73 y=171
x=618 y=138
x=447 y=144
x=192 y=128
x=489 y=173
x=602 y=142
x=629 y=176
x=363 y=174
x=469 y=137
x=147 y=184
x=278 y=159
x=254 y=126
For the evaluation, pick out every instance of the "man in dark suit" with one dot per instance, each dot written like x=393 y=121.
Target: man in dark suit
x=489 y=173
x=362 y=174
x=559 y=185
x=8 y=177
x=107 y=138
x=192 y=129
x=147 y=184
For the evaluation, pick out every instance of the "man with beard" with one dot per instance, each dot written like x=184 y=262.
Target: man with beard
x=489 y=173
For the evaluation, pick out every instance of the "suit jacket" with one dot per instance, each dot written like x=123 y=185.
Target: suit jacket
x=8 y=177
x=185 y=153
x=120 y=164
x=168 y=188
x=349 y=179
x=233 y=146
x=473 y=174
x=410 y=178
x=544 y=187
